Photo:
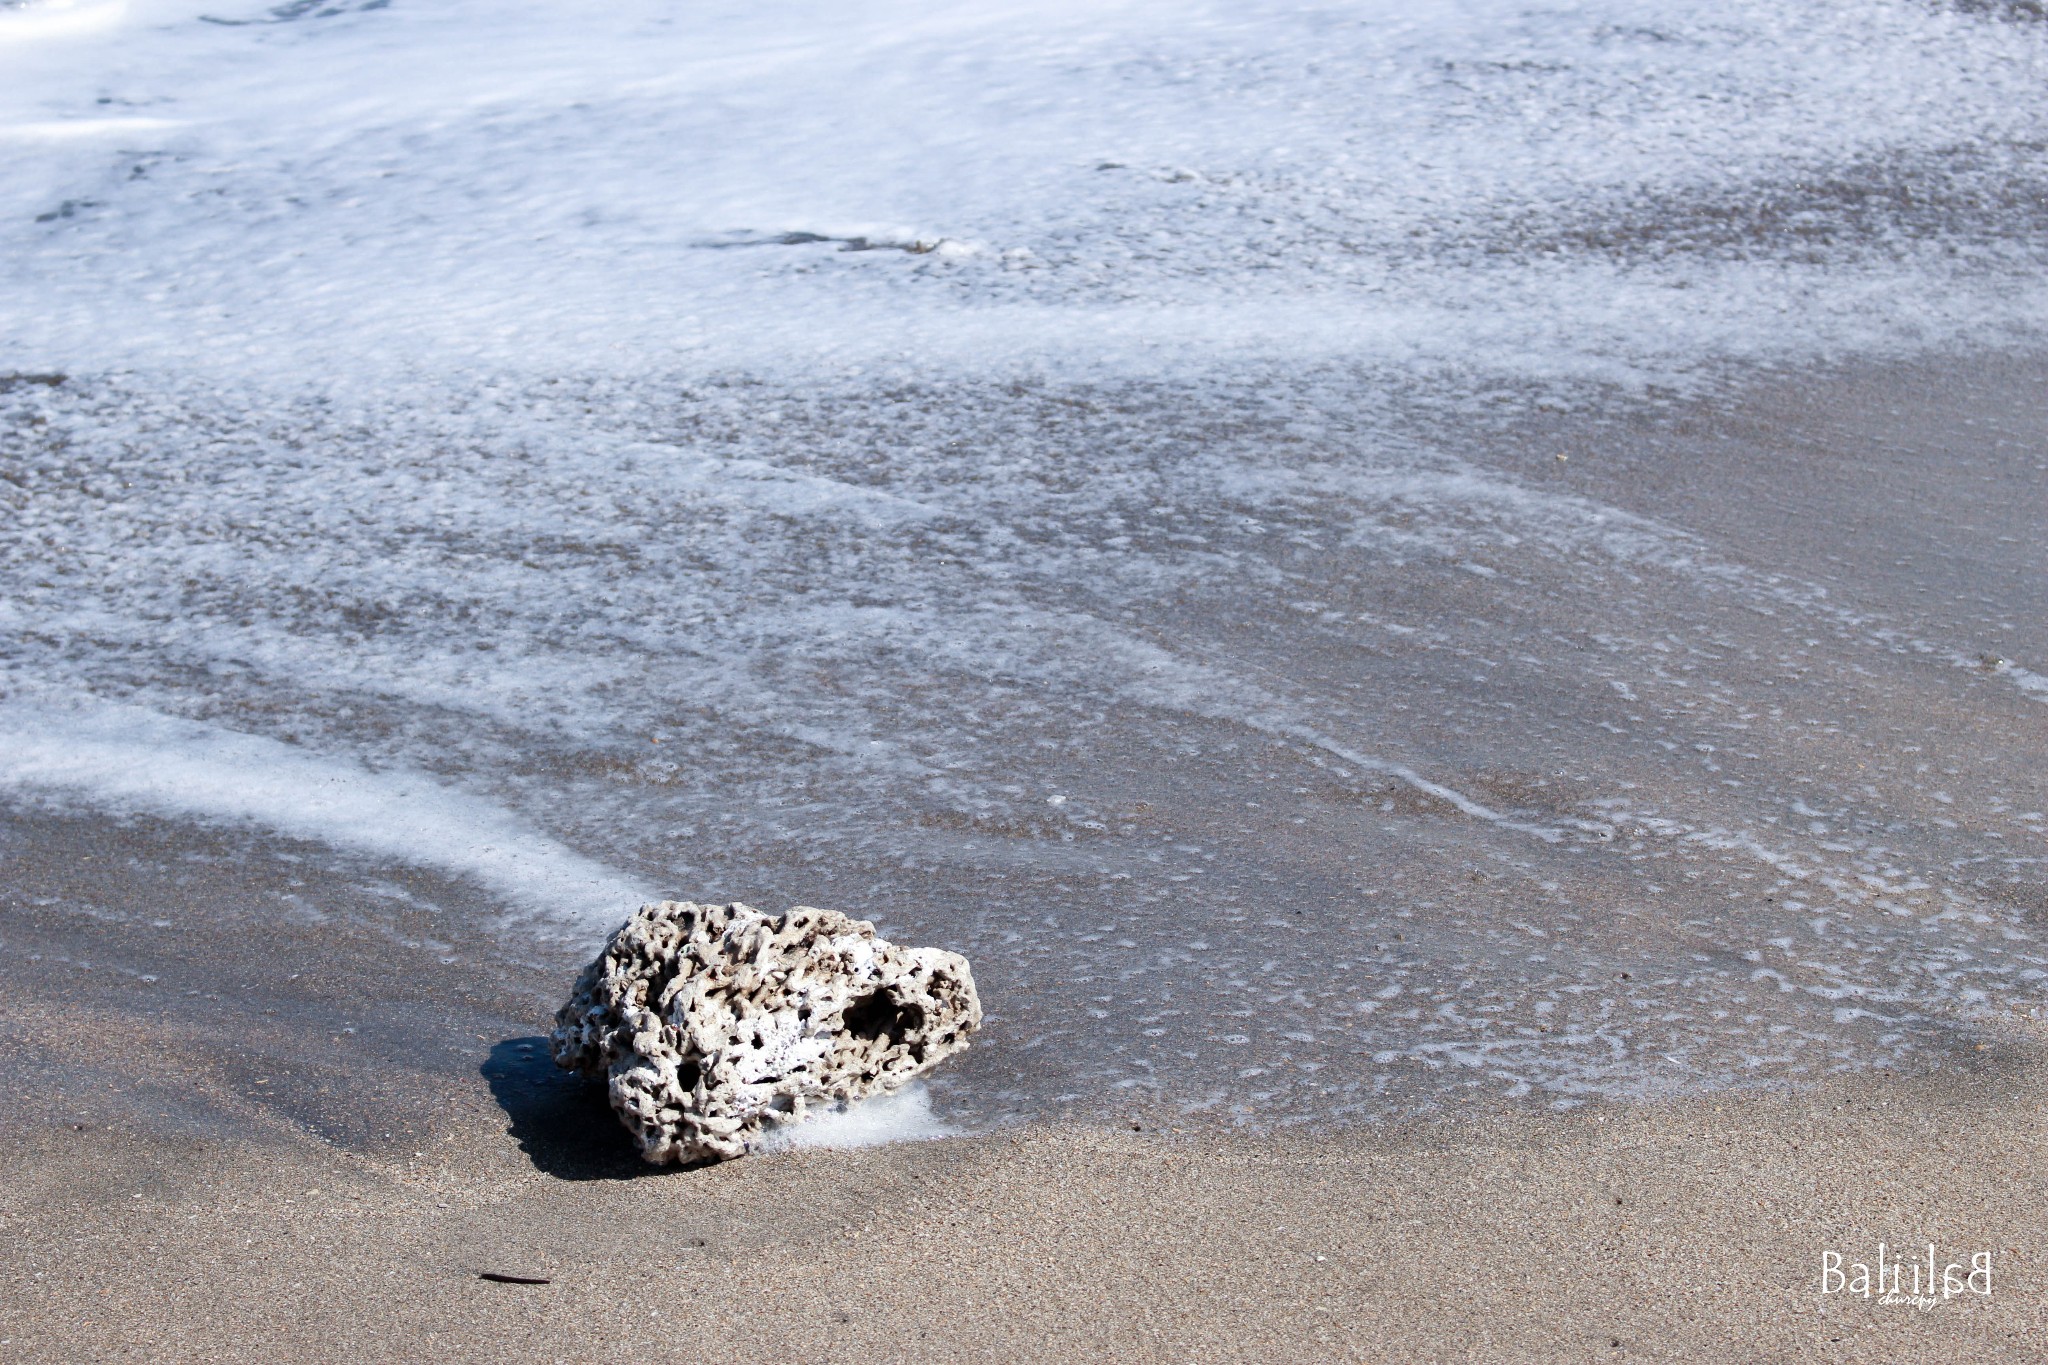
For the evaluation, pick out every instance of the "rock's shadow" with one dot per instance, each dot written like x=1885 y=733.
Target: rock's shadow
x=561 y=1121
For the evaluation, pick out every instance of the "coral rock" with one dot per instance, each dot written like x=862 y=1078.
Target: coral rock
x=712 y=1023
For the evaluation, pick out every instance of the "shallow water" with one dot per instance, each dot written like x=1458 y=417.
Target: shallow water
x=1202 y=620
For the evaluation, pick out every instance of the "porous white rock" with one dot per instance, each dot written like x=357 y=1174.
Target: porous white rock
x=712 y=1023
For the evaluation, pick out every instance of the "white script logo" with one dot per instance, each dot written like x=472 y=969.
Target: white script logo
x=1921 y=1282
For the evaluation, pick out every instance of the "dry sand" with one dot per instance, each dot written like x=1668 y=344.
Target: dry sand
x=1689 y=1231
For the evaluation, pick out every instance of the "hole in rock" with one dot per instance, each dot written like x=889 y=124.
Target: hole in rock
x=878 y=1015
x=659 y=984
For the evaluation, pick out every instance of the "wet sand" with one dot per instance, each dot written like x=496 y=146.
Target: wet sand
x=268 y=1100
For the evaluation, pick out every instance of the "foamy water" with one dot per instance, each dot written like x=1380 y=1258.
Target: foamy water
x=903 y=1116
x=987 y=470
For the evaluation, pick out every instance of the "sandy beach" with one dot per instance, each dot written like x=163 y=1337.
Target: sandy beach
x=1448 y=602
x=1680 y=1232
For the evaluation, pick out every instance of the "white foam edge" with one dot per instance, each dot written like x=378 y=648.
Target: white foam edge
x=900 y=1116
x=130 y=759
